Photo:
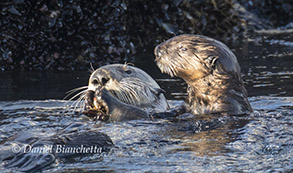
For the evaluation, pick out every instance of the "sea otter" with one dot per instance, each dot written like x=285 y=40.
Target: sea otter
x=210 y=70
x=120 y=92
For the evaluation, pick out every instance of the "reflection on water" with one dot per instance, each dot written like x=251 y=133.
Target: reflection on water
x=262 y=141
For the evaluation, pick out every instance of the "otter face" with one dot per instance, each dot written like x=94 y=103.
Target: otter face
x=108 y=75
x=130 y=85
x=192 y=57
x=114 y=79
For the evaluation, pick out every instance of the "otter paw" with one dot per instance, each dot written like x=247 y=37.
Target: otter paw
x=95 y=106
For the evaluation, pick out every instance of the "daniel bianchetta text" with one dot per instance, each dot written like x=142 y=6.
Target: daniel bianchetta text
x=57 y=149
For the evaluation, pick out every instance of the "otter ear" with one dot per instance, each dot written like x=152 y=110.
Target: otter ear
x=211 y=60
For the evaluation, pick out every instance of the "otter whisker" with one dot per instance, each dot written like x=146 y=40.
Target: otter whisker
x=181 y=65
x=79 y=102
x=78 y=94
x=70 y=92
x=129 y=94
x=132 y=92
x=92 y=68
x=74 y=103
x=172 y=70
x=125 y=98
x=138 y=92
x=77 y=89
x=124 y=93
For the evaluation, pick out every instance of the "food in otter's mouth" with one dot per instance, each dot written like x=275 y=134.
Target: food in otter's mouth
x=95 y=107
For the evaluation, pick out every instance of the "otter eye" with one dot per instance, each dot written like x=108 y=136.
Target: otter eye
x=104 y=80
x=95 y=82
x=128 y=72
x=183 y=49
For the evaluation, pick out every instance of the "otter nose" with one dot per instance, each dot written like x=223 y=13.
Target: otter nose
x=157 y=51
x=100 y=81
x=104 y=80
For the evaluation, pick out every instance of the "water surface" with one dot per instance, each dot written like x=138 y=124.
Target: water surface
x=262 y=141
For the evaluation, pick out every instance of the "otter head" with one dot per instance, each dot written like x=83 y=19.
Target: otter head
x=192 y=57
x=109 y=76
x=211 y=71
x=130 y=85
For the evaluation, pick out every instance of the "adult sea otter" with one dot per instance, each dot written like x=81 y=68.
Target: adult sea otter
x=210 y=70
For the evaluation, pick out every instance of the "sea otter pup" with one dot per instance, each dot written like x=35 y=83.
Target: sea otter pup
x=121 y=92
x=211 y=71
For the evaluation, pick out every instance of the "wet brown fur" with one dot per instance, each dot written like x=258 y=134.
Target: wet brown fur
x=211 y=71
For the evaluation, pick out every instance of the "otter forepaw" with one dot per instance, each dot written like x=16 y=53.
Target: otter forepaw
x=95 y=106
